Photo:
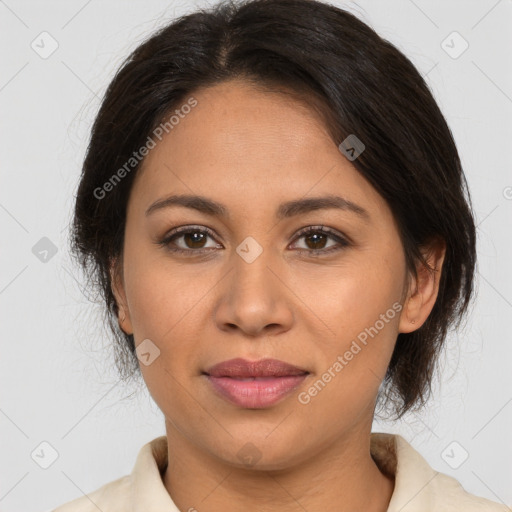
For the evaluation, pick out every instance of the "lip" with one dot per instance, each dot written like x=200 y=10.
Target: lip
x=243 y=369
x=254 y=384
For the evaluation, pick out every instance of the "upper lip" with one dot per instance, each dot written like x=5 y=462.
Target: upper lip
x=242 y=368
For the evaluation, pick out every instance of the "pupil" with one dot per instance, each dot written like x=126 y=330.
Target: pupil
x=197 y=237
x=319 y=239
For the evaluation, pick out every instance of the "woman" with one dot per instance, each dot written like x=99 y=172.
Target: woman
x=275 y=211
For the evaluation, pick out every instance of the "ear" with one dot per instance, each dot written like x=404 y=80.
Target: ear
x=118 y=289
x=423 y=290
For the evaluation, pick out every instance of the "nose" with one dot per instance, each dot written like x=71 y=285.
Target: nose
x=253 y=298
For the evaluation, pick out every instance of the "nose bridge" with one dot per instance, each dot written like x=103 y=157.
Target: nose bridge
x=250 y=250
x=250 y=261
x=252 y=297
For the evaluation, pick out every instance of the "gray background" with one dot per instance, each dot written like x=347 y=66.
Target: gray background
x=57 y=377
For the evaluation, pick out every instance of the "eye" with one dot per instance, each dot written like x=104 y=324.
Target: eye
x=193 y=240
x=316 y=237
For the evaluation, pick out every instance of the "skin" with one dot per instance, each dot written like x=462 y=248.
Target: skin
x=251 y=150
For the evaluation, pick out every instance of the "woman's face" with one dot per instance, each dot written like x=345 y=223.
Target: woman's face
x=252 y=287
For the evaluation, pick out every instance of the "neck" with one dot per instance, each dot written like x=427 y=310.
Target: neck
x=343 y=477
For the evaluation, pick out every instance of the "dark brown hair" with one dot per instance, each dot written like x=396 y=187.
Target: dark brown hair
x=365 y=86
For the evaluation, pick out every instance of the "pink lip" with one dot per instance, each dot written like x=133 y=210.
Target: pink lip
x=267 y=381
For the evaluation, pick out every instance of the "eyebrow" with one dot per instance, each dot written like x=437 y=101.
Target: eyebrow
x=285 y=210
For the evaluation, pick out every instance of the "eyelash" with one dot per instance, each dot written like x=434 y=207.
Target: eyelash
x=343 y=242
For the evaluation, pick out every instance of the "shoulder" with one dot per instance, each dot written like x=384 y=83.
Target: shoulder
x=418 y=486
x=140 y=490
x=111 y=497
x=450 y=494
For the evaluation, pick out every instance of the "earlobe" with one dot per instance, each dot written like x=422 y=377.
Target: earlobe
x=424 y=289
x=117 y=286
x=124 y=321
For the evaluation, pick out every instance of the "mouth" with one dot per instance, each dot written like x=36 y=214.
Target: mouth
x=242 y=369
x=254 y=385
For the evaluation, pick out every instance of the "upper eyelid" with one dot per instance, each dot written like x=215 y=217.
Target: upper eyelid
x=180 y=230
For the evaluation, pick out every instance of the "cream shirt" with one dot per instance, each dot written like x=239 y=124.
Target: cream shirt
x=418 y=487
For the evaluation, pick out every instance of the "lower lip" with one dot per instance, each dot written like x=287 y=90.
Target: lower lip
x=258 y=393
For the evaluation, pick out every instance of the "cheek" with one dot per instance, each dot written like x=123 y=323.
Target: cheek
x=160 y=295
x=361 y=305
x=168 y=305
x=163 y=302
x=354 y=298
x=354 y=363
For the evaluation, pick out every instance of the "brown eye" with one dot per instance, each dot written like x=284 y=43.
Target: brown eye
x=194 y=239
x=316 y=239
x=189 y=240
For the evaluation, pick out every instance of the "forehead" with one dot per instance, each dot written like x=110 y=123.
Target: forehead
x=253 y=145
